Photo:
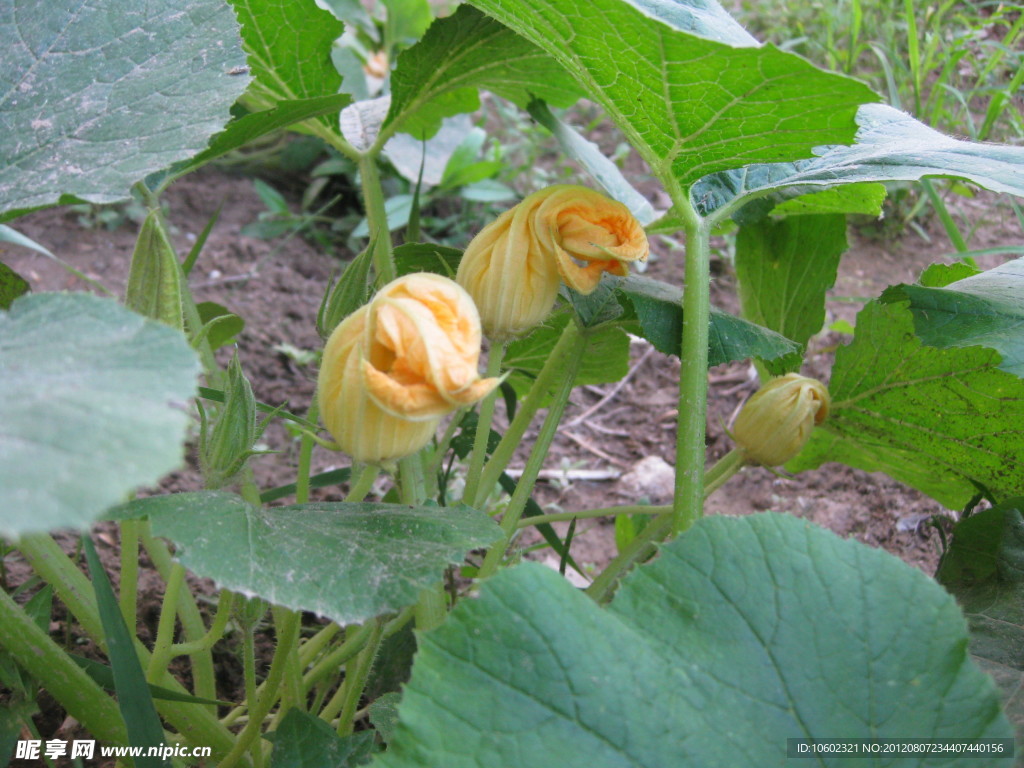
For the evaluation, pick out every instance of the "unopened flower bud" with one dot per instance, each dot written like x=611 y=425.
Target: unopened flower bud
x=563 y=233
x=776 y=422
x=395 y=367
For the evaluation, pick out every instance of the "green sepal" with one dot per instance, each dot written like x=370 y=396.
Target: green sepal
x=154 y=279
x=347 y=295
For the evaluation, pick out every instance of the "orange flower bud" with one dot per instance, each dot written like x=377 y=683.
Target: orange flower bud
x=569 y=234
x=396 y=366
x=776 y=422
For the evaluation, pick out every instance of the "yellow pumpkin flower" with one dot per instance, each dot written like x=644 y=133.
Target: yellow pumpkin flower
x=776 y=422
x=563 y=233
x=392 y=369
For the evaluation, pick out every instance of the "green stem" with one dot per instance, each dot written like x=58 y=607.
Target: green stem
x=306 y=458
x=376 y=217
x=355 y=680
x=644 y=543
x=545 y=381
x=355 y=640
x=560 y=517
x=68 y=683
x=688 y=500
x=214 y=634
x=363 y=484
x=539 y=452
x=188 y=611
x=287 y=624
x=194 y=723
x=165 y=627
x=129 y=589
x=410 y=479
x=483 y=431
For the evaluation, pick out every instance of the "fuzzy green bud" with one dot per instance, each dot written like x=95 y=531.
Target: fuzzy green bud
x=776 y=422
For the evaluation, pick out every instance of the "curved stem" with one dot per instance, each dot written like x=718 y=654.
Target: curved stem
x=553 y=368
x=483 y=430
x=688 y=499
x=363 y=483
x=165 y=627
x=376 y=217
x=355 y=680
x=287 y=624
x=214 y=633
x=539 y=452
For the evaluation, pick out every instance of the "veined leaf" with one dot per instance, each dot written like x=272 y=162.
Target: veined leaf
x=288 y=45
x=96 y=96
x=984 y=310
x=348 y=562
x=92 y=405
x=890 y=146
x=439 y=76
x=946 y=421
x=303 y=740
x=784 y=269
x=659 y=310
x=984 y=569
x=728 y=657
x=690 y=89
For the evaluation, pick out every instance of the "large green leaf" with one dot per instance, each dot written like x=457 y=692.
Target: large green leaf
x=303 y=740
x=97 y=96
x=439 y=76
x=985 y=310
x=658 y=306
x=92 y=405
x=984 y=569
x=348 y=562
x=690 y=89
x=288 y=45
x=744 y=633
x=946 y=421
x=785 y=268
x=890 y=146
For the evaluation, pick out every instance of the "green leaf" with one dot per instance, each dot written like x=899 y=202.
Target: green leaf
x=439 y=76
x=384 y=715
x=946 y=421
x=985 y=310
x=713 y=655
x=984 y=569
x=240 y=132
x=12 y=285
x=659 y=309
x=133 y=698
x=97 y=96
x=890 y=146
x=226 y=325
x=427 y=257
x=288 y=46
x=865 y=199
x=303 y=740
x=348 y=562
x=407 y=20
x=784 y=269
x=589 y=155
x=92 y=405
x=690 y=89
x=606 y=358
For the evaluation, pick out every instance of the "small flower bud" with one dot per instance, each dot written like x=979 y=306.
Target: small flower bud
x=395 y=367
x=563 y=233
x=776 y=422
